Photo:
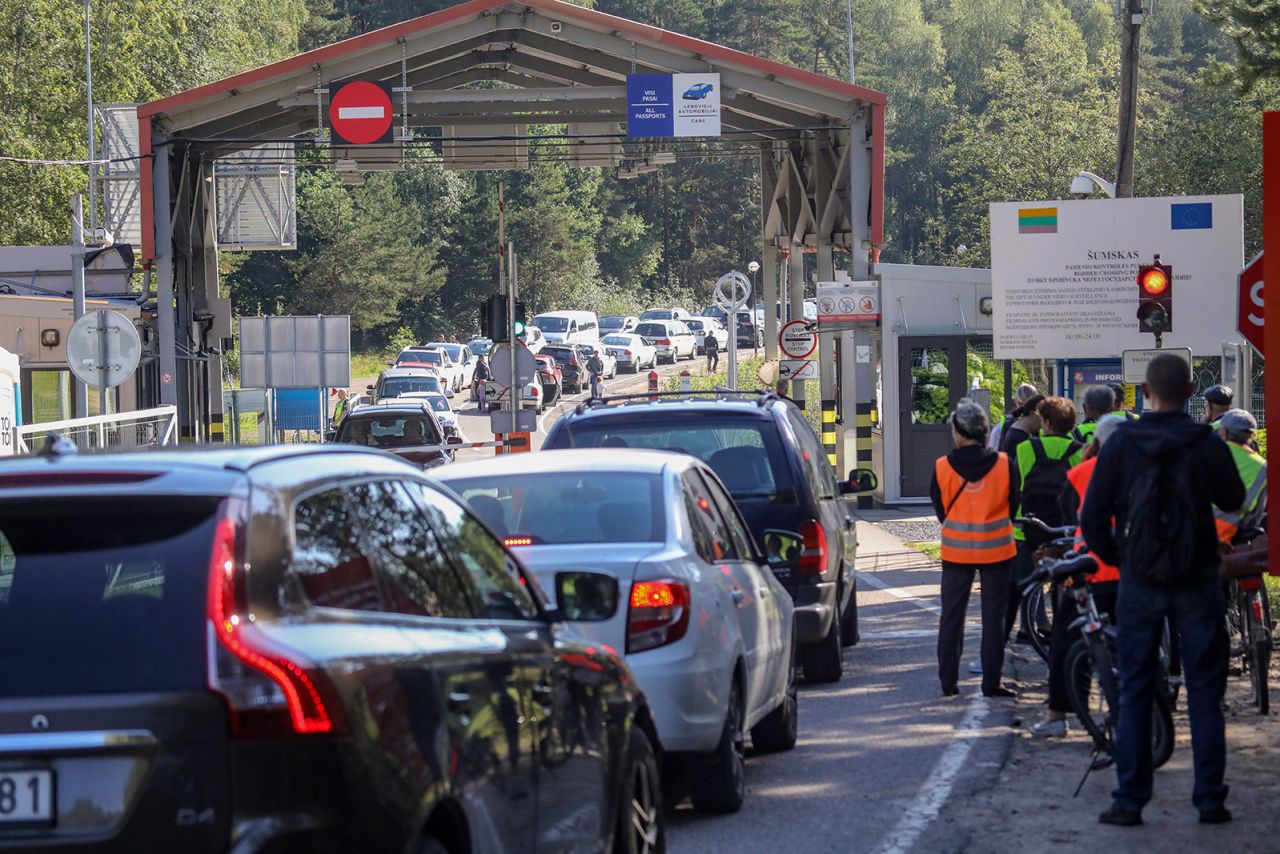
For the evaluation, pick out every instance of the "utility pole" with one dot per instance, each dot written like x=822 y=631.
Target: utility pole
x=93 y=142
x=1130 y=30
x=80 y=404
x=848 y=7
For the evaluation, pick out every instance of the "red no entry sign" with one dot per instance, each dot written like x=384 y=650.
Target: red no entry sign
x=360 y=113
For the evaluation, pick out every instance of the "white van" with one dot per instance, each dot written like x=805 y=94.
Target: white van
x=568 y=327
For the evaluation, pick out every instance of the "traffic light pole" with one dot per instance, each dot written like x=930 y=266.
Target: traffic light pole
x=1130 y=38
x=517 y=390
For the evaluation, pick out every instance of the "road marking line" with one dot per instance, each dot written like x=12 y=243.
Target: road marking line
x=937 y=788
x=906 y=634
x=911 y=598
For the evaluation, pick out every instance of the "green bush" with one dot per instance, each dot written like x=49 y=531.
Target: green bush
x=401 y=338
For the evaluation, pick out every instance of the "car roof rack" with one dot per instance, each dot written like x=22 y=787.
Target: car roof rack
x=763 y=397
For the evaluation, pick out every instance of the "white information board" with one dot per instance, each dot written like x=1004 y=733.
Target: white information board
x=1063 y=273
x=695 y=104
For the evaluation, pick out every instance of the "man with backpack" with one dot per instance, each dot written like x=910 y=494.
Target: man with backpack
x=1043 y=462
x=1159 y=478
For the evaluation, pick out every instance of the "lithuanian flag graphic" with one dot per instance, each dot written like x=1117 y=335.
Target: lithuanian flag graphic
x=1038 y=221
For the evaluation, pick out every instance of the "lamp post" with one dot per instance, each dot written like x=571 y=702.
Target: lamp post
x=753 y=268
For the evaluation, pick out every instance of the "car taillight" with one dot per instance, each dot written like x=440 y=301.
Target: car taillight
x=626 y=352
x=664 y=342
x=517 y=541
x=573 y=362
x=658 y=615
x=270 y=690
x=813 y=554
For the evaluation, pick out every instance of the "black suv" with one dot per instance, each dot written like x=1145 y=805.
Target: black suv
x=404 y=426
x=748 y=333
x=297 y=649
x=572 y=362
x=773 y=465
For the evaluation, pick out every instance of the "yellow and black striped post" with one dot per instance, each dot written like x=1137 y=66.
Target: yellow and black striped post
x=215 y=427
x=829 y=431
x=863 y=445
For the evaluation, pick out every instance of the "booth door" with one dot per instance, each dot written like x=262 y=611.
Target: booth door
x=933 y=377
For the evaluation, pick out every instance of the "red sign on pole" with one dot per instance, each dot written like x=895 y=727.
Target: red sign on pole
x=1250 y=307
x=360 y=113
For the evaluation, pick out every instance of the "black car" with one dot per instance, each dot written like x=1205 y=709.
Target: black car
x=572 y=362
x=297 y=649
x=404 y=426
x=771 y=461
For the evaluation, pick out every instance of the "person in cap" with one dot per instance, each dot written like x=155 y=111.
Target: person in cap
x=1149 y=510
x=1024 y=393
x=1238 y=427
x=1118 y=390
x=1217 y=402
x=1105 y=583
x=1099 y=400
x=974 y=495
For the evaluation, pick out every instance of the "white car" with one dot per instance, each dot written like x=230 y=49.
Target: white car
x=436 y=359
x=397 y=382
x=630 y=351
x=495 y=397
x=664 y=314
x=440 y=406
x=611 y=323
x=462 y=357
x=672 y=339
x=707 y=630
x=704 y=326
x=607 y=359
x=534 y=339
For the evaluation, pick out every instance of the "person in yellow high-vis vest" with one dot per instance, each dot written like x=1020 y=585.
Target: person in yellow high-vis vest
x=974 y=493
x=1238 y=427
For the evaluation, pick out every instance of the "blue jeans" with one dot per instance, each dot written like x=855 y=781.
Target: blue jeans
x=1198 y=613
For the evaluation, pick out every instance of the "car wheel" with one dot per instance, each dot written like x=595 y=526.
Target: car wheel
x=849 y=635
x=641 y=826
x=779 y=729
x=720 y=783
x=824 y=661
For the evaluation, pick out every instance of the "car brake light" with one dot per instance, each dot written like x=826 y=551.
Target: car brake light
x=813 y=554
x=658 y=615
x=573 y=361
x=626 y=352
x=664 y=342
x=269 y=689
x=517 y=541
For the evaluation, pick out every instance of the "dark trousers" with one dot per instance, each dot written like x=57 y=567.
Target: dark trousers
x=1064 y=637
x=713 y=359
x=957 y=584
x=1023 y=566
x=1197 y=611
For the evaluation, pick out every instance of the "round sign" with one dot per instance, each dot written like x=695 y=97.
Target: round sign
x=1249 y=301
x=103 y=348
x=796 y=340
x=360 y=113
x=739 y=290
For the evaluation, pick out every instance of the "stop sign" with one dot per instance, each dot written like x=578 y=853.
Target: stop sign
x=1249 y=299
x=360 y=113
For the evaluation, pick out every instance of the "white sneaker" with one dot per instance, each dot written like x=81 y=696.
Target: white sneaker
x=1050 y=729
x=975 y=667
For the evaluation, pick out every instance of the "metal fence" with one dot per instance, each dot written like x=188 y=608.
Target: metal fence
x=141 y=429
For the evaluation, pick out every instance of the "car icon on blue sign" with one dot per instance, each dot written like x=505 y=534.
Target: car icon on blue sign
x=698 y=92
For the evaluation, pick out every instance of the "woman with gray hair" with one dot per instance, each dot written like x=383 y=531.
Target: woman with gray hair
x=975 y=496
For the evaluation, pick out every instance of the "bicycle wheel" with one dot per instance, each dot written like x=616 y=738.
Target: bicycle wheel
x=1257 y=633
x=1163 y=735
x=1088 y=700
x=1035 y=603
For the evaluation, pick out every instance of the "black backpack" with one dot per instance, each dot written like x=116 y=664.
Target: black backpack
x=1160 y=529
x=1043 y=485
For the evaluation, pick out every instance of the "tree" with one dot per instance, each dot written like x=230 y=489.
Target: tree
x=1254 y=27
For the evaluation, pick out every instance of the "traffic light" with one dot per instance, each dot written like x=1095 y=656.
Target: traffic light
x=519 y=325
x=493 y=318
x=1155 y=297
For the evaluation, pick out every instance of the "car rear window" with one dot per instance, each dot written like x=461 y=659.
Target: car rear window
x=569 y=507
x=92 y=590
x=652 y=330
x=747 y=453
x=396 y=386
x=389 y=431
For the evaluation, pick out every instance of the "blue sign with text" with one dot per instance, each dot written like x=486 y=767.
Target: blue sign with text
x=649 y=107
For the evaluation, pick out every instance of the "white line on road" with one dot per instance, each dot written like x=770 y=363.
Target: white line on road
x=899 y=594
x=907 y=634
x=937 y=788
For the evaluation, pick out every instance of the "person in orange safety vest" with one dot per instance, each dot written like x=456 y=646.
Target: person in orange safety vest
x=974 y=493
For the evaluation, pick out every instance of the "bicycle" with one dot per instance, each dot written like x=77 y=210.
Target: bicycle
x=1093 y=684
x=1249 y=622
x=1040 y=599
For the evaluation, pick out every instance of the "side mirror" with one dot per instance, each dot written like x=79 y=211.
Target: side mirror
x=782 y=547
x=860 y=482
x=368 y=388
x=586 y=597
x=453 y=440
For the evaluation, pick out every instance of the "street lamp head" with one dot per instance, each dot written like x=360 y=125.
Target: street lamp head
x=753 y=267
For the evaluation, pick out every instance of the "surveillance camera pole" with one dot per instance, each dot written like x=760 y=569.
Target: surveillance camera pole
x=1130 y=29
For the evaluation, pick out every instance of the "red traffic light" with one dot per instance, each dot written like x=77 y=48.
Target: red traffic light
x=1154 y=281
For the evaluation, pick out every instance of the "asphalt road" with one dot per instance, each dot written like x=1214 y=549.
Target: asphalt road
x=881 y=753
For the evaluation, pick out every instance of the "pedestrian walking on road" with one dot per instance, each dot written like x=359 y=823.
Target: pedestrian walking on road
x=479 y=381
x=1159 y=479
x=974 y=496
x=713 y=352
x=595 y=367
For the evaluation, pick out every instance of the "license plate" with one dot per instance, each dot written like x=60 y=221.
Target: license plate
x=26 y=797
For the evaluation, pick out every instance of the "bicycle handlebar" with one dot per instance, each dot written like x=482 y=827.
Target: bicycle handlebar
x=1069 y=566
x=1035 y=522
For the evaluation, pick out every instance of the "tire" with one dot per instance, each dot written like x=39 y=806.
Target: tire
x=640 y=827
x=1029 y=608
x=849 y=634
x=780 y=728
x=1096 y=714
x=719 y=784
x=824 y=661
x=1257 y=652
x=1163 y=735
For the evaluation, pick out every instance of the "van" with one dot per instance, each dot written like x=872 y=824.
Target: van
x=568 y=327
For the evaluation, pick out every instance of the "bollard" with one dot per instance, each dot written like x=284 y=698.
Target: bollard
x=653 y=384
x=686 y=380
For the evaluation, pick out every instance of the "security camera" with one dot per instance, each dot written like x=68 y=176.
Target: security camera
x=1081 y=187
x=556 y=26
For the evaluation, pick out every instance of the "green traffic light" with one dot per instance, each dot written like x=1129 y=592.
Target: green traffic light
x=519 y=328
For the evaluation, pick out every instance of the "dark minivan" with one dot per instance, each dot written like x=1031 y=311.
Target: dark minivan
x=775 y=468
x=297 y=649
